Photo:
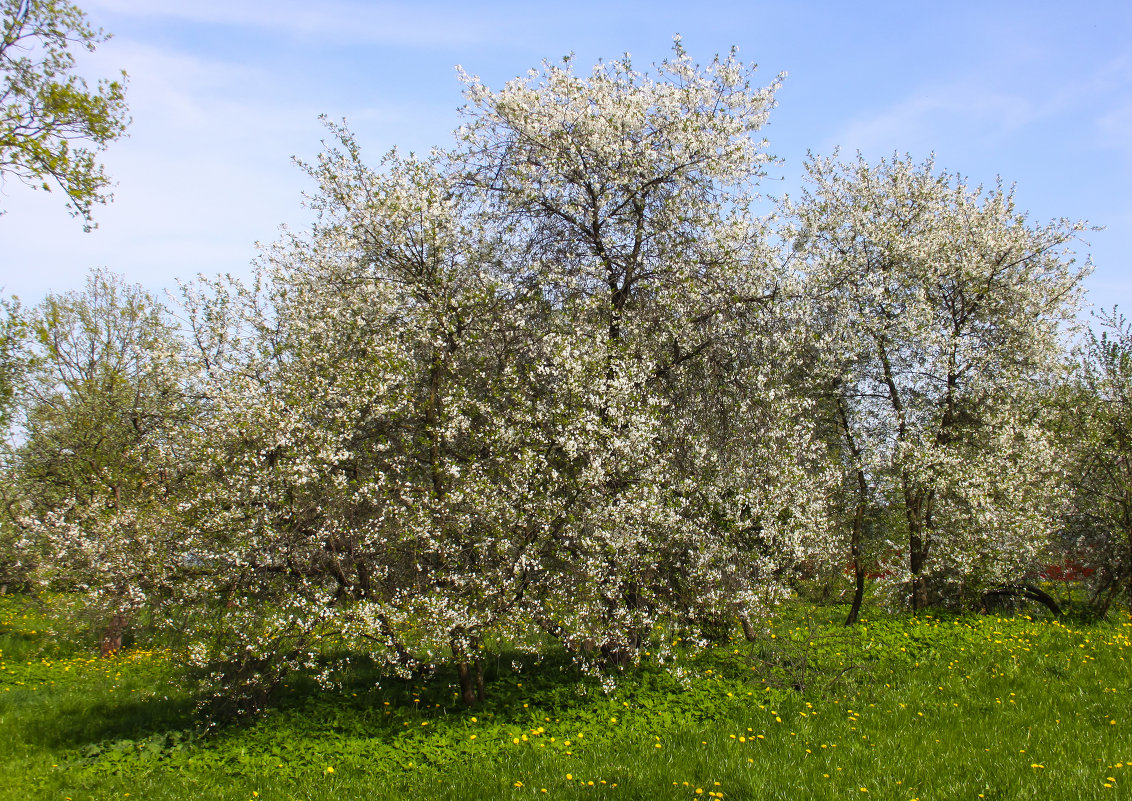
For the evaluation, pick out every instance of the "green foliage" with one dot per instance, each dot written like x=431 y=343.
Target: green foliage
x=45 y=108
x=89 y=484
x=13 y=370
x=100 y=383
x=12 y=360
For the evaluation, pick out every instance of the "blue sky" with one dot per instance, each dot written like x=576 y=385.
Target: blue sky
x=224 y=92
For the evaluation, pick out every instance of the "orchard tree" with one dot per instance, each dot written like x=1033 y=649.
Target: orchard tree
x=102 y=392
x=13 y=368
x=52 y=124
x=1097 y=432
x=375 y=453
x=535 y=380
x=631 y=193
x=940 y=307
x=13 y=361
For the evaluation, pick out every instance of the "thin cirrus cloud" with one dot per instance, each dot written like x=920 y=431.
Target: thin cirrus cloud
x=915 y=122
x=1114 y=130
x=206 y=170
x=347 y=22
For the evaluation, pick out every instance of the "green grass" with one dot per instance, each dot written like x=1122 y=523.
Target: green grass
x=905 y=708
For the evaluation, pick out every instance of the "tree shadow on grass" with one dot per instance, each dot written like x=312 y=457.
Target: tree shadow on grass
x=77 y=725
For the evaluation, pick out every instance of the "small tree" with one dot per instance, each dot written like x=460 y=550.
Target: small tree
x=102 y=393
x=45 y=108
x=14 y=569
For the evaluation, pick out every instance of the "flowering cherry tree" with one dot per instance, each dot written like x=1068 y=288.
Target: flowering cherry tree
x=1096 y=430
x=533 y=381
x=631 y=193
x=941 y=306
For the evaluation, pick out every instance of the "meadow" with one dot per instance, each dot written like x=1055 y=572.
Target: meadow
x=931 y=707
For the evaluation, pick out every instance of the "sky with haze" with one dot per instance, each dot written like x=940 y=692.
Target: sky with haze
x=224 y=93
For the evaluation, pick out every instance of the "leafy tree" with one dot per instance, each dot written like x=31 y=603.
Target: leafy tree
x=940 y=307
x=102 y=391
x=12 y=360
x=13 y=367
x=47 y=112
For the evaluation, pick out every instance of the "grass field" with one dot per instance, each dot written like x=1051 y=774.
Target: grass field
x=899 y=708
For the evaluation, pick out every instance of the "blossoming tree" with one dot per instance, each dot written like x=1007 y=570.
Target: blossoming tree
x=632 y=194
x=534 y=381
x=101 y=396
x=941 y=306
x=1097 y=432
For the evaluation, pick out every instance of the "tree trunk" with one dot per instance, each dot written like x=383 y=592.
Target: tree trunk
x=112 y=635
x=918 y=556
x=467 y=688
x=1128 y=578
x=859 y=512
x=469 y=671
x=748 y=629
x=858 y=567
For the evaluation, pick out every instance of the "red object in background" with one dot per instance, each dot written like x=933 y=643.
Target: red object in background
x=1066 y=571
